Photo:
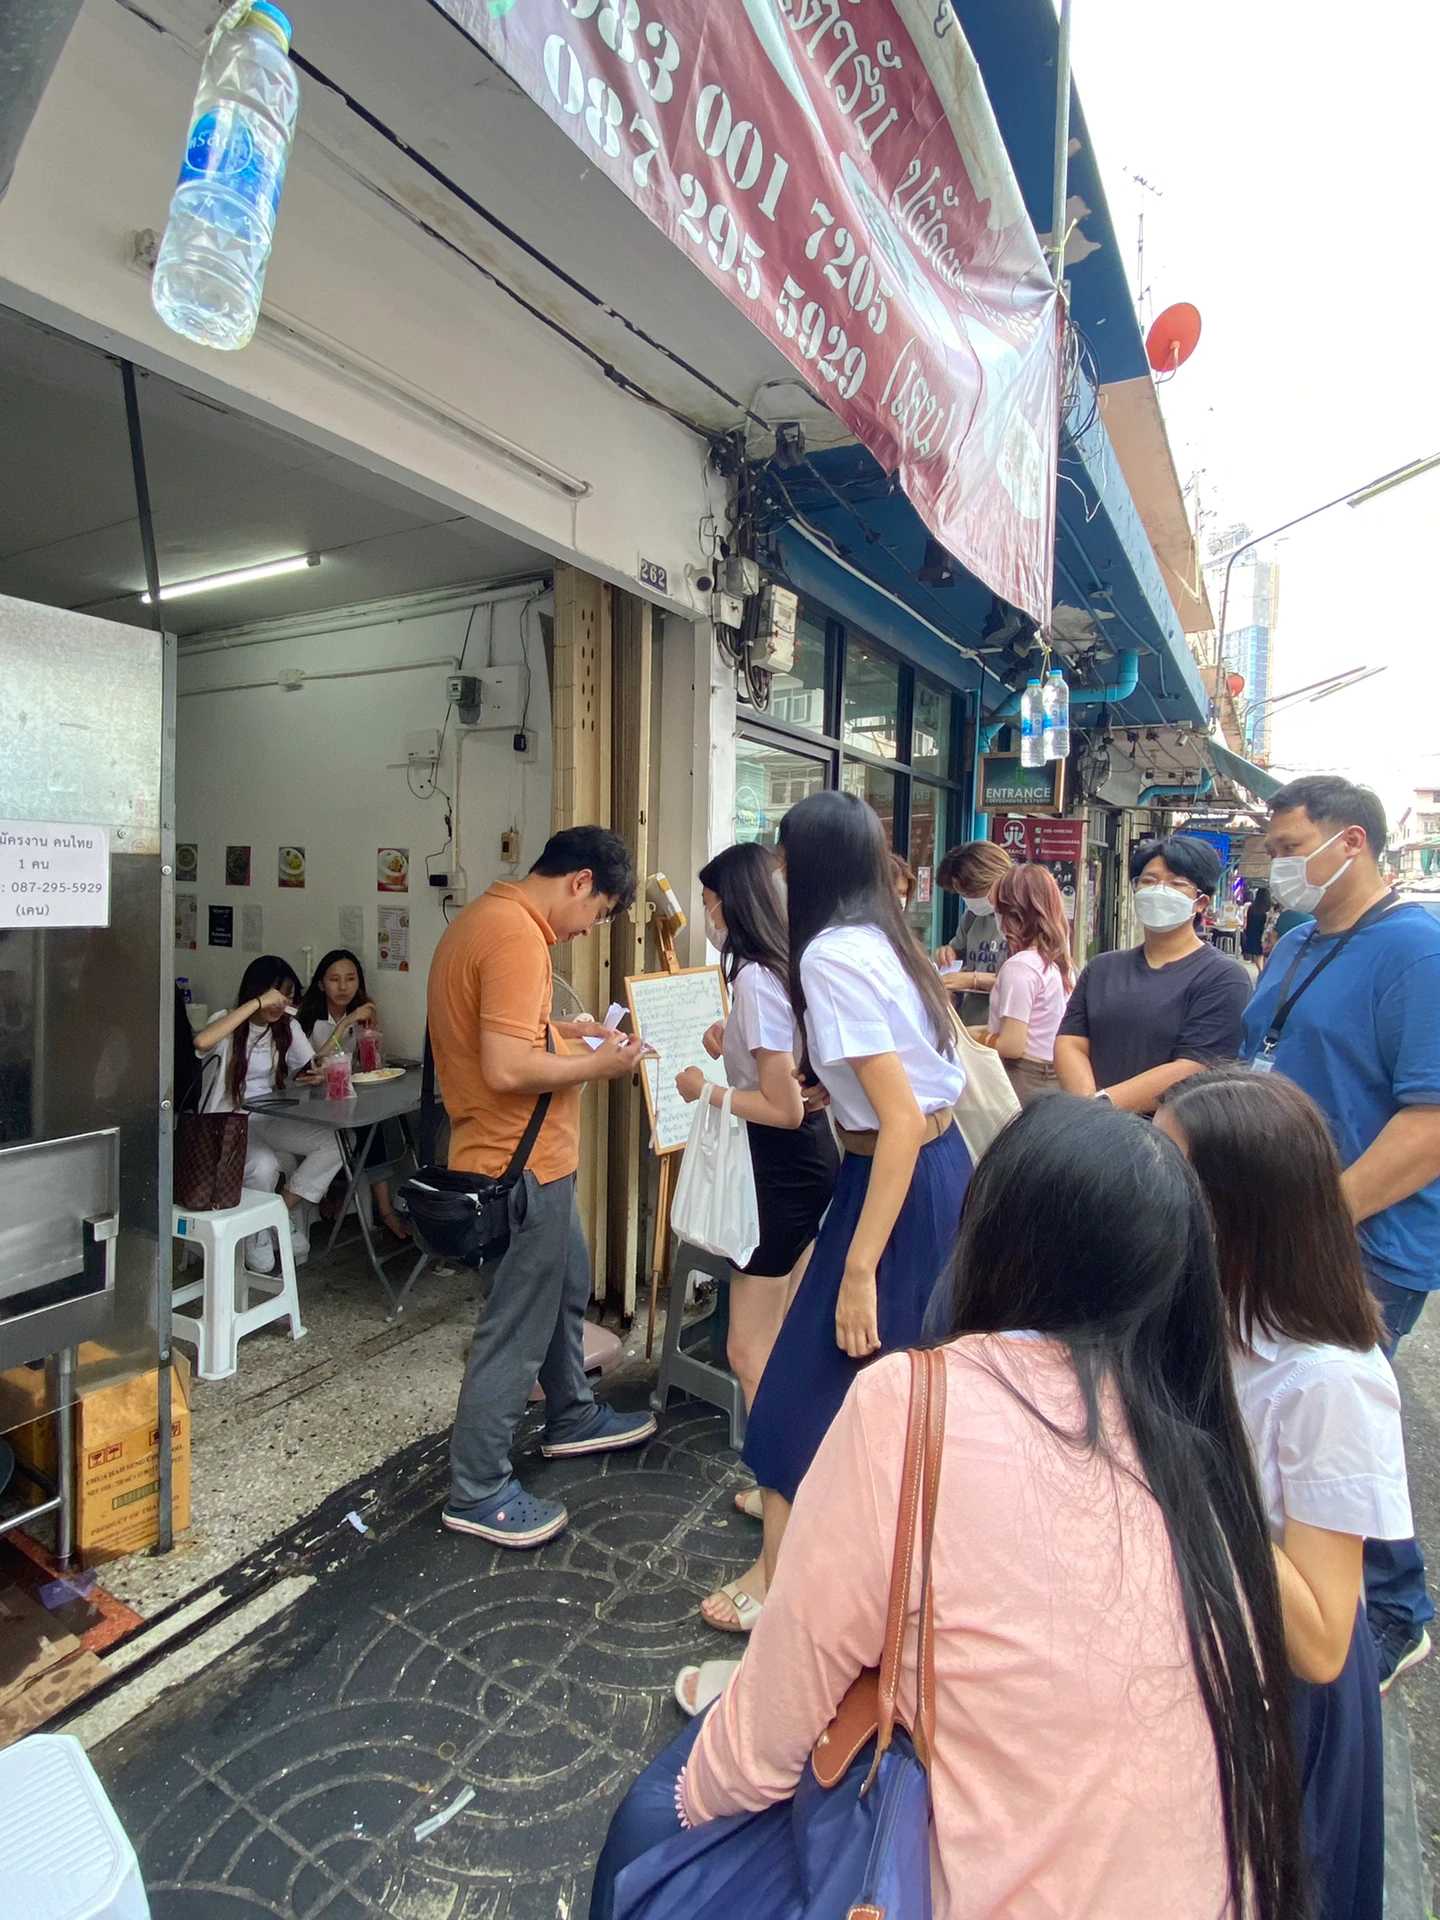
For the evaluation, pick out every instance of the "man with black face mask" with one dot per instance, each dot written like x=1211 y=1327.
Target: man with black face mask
x=1349 y=1008
x=1141 y=1019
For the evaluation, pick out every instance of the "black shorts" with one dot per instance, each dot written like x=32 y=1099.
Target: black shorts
x=794 y=1176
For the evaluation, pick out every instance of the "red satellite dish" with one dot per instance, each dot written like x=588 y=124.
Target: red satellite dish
x=1173 y=338
x=1236 y=684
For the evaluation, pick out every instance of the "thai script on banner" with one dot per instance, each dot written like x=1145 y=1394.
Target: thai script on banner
x=835 y=168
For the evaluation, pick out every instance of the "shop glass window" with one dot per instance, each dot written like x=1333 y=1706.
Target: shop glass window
x=927 y=812
x=768 y=782
x=876 y=785
x=872 y=701
x=930 y=732
x=797 y=698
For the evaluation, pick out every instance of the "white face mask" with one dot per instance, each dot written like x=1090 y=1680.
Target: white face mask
x=1163 y=908
x=980 y=907
x=1291 y=884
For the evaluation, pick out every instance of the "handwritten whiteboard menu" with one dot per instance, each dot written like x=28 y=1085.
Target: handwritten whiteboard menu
x=53 y=875
x=672 y=1011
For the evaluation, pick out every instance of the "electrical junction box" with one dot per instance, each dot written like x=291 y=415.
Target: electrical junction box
x=727 y=610
x=774 y=644
x=422 y=749
x=739 y=576
x=495 y=698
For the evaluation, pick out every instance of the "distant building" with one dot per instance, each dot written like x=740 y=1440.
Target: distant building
x=1413 y=855
x=1251 y=614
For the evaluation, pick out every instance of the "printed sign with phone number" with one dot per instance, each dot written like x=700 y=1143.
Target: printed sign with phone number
x=800 y=153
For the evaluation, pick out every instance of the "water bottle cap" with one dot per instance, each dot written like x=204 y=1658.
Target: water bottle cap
x=272 y=16
x=1033 y=681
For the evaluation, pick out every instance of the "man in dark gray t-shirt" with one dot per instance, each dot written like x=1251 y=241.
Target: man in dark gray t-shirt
x=1140 y=1020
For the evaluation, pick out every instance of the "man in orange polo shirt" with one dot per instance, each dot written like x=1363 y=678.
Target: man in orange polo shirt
x=489 y=1011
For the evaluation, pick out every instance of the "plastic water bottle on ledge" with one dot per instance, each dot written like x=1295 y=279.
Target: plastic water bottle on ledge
x=1055 y=729
x=1032 y=745
x=211 y=267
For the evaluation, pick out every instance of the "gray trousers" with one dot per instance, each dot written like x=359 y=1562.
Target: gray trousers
x=531 y=1325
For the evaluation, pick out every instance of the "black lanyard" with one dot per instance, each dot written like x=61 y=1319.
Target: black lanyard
x=1288 y=1000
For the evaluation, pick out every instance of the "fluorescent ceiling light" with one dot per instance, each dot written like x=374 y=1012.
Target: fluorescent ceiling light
x=1395 y=479
x=241 y=576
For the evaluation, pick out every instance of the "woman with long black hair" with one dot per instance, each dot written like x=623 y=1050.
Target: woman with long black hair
x=793 y=1153
x=877 y=1035
x=1109 y=1679
x=260 y=1049
x=1322 y=1409
x=334 y=1009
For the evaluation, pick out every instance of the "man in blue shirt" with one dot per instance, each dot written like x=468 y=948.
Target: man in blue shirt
x=1349 y=1009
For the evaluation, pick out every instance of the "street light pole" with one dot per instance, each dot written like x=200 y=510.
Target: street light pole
x=1357 y=496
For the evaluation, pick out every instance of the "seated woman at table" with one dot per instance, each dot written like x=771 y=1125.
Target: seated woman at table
x=260 y=1048
x=335 y=1009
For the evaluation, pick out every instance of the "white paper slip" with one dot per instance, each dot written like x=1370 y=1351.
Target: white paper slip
x=615 y=1016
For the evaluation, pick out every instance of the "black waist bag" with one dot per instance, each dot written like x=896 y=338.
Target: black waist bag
x=462 y=1216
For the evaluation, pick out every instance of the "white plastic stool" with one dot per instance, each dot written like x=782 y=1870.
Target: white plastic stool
x=228 y=1283
x=63 y=1853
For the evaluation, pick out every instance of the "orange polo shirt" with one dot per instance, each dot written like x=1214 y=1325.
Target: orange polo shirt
x=492 y=970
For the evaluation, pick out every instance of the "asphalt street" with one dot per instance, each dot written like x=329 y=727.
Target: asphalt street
x=1418 y=1365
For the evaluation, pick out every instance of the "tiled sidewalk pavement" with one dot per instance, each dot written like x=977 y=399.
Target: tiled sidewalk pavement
x=289 y=1777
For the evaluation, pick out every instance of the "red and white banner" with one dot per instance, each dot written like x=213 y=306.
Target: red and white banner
x=835 y=168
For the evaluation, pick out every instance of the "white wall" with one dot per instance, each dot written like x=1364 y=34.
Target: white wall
x=360 y=277
x=324 y=768
x=695 y=814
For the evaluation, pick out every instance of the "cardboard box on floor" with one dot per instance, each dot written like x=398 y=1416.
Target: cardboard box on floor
x=117 y=1453
x=42 y=1668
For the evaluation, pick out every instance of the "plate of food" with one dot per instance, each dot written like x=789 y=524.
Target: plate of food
x=376 y=1075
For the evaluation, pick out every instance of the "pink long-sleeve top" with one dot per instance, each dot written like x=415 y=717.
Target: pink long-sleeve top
x=1075 y=1772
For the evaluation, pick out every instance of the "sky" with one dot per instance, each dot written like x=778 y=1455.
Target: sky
x=1298 y=207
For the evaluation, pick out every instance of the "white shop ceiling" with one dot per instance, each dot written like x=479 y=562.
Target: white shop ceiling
x=226 y=492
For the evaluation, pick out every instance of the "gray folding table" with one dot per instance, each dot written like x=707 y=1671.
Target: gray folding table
x=356 y=1123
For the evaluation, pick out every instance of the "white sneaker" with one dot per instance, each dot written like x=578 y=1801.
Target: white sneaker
x=260 y=1251
x=300 y=1233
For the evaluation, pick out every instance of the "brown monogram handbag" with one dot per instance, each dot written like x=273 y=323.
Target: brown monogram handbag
x=210 y=1151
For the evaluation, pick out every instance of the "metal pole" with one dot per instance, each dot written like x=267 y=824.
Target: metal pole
x=1059 y=197
x=165 y=1521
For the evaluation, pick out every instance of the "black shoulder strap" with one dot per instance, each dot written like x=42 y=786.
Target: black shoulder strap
x=1289 y=998
x=430 y=1113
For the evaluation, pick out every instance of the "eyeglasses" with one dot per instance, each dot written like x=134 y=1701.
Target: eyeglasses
x=1149 y=886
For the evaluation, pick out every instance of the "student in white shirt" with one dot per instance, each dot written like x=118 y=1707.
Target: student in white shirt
x=877 y=1036
x=260 y=1049
x=793 y=1153
x=335 y=1007
x=1322 y=1409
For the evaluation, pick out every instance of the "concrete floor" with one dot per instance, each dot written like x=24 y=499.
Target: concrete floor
x=302 y=1418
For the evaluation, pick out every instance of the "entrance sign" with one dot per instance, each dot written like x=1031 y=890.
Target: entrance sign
x=834 y=167
x=1002 y=783
x=54 y=875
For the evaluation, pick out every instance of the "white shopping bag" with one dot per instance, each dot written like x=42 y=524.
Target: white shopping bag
x=714 y=1207
x=989 y=1101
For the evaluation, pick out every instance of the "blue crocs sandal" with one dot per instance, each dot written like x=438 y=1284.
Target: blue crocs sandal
x=607 y=1432
x=510 y=1518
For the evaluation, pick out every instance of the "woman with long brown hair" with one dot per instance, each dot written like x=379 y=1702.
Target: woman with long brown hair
x=1322 y=1411
x=1033 y=986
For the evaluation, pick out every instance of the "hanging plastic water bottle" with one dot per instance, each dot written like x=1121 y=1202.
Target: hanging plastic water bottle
x=212 y=261
x=1055 y=730
x=1032 y=744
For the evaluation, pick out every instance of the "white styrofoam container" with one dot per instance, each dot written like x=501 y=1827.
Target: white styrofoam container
x=63 y=1853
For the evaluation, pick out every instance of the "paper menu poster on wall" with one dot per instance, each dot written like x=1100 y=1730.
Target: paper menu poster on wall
x=187 y=921
x=395 y=939
x=673 y=1011
x=392 y=869
x=187 y=863
x=291 y=862
x=252 y=929
x=352 y=928
x=53 y=874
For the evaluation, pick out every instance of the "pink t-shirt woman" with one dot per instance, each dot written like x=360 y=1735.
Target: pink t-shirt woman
x=1075 y=1770
x=1031 y=988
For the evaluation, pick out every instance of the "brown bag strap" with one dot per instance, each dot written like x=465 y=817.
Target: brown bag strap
x=919 y=1497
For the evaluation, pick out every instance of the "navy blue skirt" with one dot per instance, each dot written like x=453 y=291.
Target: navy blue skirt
x=1338 y=1752
x=808 y=1376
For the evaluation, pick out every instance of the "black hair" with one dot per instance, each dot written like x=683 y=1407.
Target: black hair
x=314 y=1006
x=1332 y=802
x=259 y=977
x=604 y=855
x=744 y=878
x=1194 y=860
x=1084 y=1224
x=1289 y=1259
x=838 y=874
